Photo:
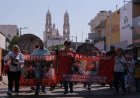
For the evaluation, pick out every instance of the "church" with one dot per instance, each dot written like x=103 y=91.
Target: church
x=51 y=36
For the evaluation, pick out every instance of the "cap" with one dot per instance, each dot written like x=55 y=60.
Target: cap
x=66 y=42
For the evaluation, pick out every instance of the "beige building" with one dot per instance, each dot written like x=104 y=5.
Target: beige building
x=9 y=30
x=113 y=29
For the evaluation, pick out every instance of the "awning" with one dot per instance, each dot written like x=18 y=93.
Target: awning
x=134 y=45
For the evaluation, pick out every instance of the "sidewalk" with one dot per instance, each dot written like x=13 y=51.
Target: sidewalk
x=4 y=81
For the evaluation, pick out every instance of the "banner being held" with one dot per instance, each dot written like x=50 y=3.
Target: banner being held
x=68 y=66
x=74 y=68
x=35 y=63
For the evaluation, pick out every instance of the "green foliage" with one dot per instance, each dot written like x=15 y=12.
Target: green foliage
x=55 y=47
x=14 y=41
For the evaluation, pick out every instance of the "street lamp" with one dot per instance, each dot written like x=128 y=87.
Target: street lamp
x=76 y=41
x=21 y=29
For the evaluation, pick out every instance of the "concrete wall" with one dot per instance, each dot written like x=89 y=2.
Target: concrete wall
x=2 y=41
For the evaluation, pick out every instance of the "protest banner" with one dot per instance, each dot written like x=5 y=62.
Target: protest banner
x=69 y=66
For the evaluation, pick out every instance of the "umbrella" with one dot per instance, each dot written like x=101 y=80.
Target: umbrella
x=87 y=48
x=28 y=42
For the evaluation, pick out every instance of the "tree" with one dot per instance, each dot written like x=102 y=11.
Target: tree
x=14 y=41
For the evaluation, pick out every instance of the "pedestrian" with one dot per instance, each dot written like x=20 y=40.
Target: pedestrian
x=119 y=70
x=67 y=84
x=40 y=68
x=36 y=46
x=15 y=60
x=137 y=76
x=129 y=77
x=111 y=53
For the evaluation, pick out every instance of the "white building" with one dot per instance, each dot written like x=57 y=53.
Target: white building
x=126 y=25
x=51 y=35
x=9 y=30
x=98 y=29
x=2 y=41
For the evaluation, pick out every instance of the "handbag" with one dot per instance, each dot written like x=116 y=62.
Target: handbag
x=125 y=69
x=6 y=68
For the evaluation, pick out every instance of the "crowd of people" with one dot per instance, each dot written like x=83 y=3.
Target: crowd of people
x=126 y=69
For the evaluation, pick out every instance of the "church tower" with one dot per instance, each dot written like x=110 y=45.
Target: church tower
x=66 y=27
x=48 y=26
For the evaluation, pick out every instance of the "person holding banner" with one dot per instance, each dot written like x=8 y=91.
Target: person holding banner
x=14 y=60
x=111 y=53
x=67 y=83
x=119 y=70
x=39 y=67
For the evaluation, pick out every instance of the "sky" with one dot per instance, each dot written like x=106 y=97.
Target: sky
x=32 y=14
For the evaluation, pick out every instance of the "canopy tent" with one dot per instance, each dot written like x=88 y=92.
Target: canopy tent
x=87 y=48
x=28 y=42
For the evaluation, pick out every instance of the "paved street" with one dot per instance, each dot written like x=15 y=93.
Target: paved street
x=79 y=92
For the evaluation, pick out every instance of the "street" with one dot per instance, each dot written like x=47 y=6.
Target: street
x=79 y=92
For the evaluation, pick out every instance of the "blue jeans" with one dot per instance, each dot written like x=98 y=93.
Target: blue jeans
x=39 y=75
x=119 y=79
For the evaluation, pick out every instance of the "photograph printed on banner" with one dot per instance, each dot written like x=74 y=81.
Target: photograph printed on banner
x=85 y=67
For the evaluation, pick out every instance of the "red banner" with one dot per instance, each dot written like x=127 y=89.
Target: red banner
x=68 y=66
x=86 y=70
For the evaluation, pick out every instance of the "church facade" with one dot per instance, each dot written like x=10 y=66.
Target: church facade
x=51 y=35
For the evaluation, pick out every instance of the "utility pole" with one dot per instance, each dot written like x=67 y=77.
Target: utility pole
x=20 y=29
x=75 y=42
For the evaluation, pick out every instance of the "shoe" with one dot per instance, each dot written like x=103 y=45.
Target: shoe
x=71 y=91
x=51 y=88
x=9 y=93
x=16 y=93
x=66 y=92
x=84 y=85
x=32 y=88
x=44 y=91
x=89 y=89
x=36 y=93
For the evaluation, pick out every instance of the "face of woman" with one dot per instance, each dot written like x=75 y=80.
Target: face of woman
x=15 y=50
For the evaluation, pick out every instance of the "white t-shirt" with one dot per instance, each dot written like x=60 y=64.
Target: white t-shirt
x=118 y=64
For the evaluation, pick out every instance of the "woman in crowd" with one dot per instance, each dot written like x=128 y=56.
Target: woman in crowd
x=129 y=78
x=15 y=60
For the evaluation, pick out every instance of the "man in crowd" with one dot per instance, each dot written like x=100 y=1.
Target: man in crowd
x=39 y=67
x=68 y=83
